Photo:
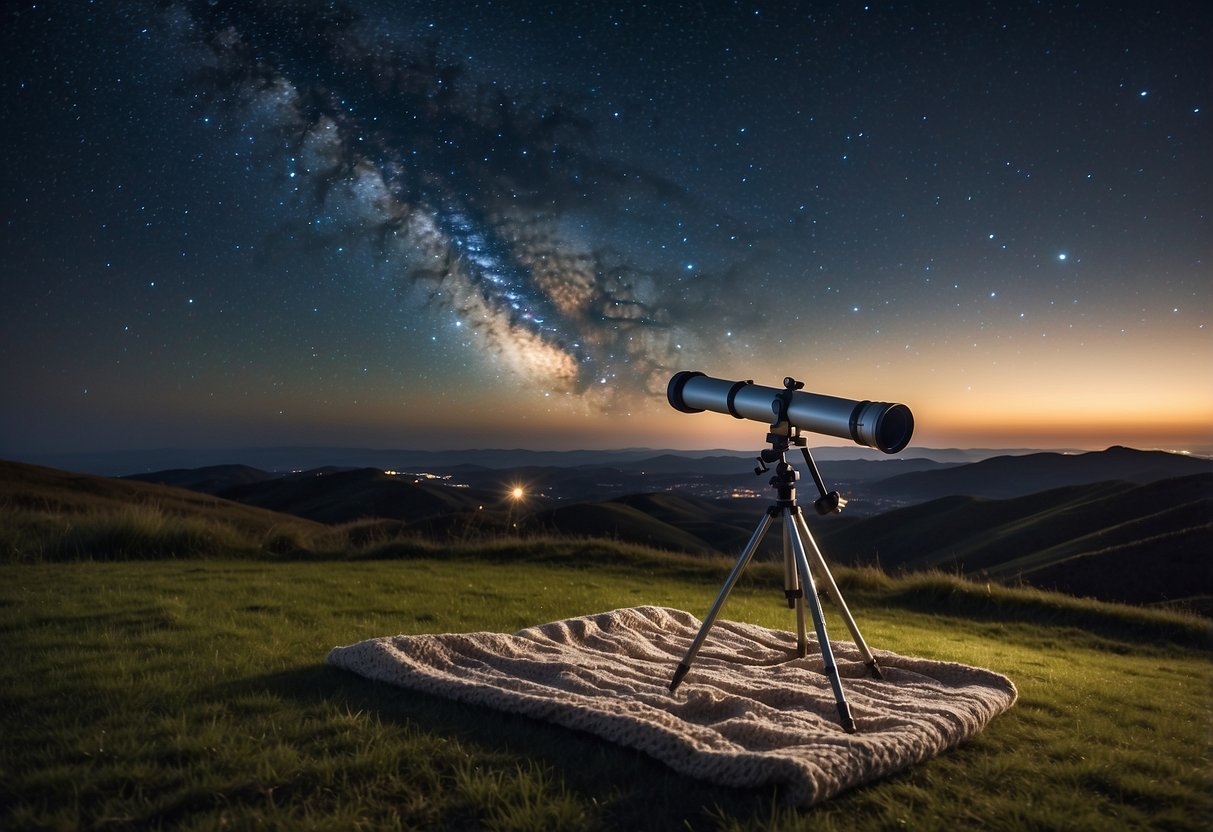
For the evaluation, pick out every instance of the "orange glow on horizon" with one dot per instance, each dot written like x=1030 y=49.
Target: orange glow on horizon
x=1055 y=403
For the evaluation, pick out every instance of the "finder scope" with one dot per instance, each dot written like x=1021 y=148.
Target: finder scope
x=881 y=425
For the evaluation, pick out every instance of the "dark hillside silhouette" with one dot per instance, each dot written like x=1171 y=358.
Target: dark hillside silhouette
x=616 y=521
x=213 y=479
x=1114 y=540
x=343 y=496
x=1017 y=476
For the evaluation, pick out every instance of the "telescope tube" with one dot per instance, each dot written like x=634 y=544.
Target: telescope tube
x=880 y=425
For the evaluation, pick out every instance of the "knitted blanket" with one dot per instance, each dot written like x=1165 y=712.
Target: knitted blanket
x=748 y=714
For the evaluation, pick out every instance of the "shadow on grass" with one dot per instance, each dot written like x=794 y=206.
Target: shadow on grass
x=633 y=790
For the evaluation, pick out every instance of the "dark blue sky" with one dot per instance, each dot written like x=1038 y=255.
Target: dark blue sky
x=494 y=224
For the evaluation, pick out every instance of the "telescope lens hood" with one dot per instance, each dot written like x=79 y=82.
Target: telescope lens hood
x=673 y=391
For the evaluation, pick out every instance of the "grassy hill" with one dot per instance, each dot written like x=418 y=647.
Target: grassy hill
x=1116 y=540
x=1113 y=540
x=171 y=676
x=54 y=515
x=345 y=496
x=615 y=521
x=722 y=526
x=192 y=694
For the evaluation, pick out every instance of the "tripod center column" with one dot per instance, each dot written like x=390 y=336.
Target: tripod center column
x=784 y=483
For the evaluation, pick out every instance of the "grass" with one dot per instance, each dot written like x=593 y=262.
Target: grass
x=54 y=516
x=191 y=694
x=149 y=530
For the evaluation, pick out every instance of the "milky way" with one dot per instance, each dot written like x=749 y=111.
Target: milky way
x=463 y=187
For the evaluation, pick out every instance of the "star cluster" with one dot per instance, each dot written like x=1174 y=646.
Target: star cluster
x=371 y=222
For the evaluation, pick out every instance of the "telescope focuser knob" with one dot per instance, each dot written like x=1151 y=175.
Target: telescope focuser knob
x=831 y=503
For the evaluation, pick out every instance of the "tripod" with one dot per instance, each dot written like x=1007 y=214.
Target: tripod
x=799 y=566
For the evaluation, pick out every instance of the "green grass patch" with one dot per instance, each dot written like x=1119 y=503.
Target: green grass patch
x=191 y=694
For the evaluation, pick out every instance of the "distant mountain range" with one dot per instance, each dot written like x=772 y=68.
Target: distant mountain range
x=1120 y=524
x=871 y=485
x=302 y=458
x=1015 y=476
x=710 y=477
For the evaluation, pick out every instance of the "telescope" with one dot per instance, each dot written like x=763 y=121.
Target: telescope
x=880 y=425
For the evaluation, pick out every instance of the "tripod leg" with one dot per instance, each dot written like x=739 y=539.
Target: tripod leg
x=823 y=571
x=746 y=554
x=823 y=638
x=795 y=594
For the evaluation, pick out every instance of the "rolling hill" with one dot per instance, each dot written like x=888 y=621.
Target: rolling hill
x=50 y=515
x=33 y=487
x=872 y=486
x=212 y=479
x=345 y=496
x=1115 y=540
x=617 y=521
x=1017 y=476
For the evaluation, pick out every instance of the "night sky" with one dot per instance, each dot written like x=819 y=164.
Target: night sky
x=459 y=224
